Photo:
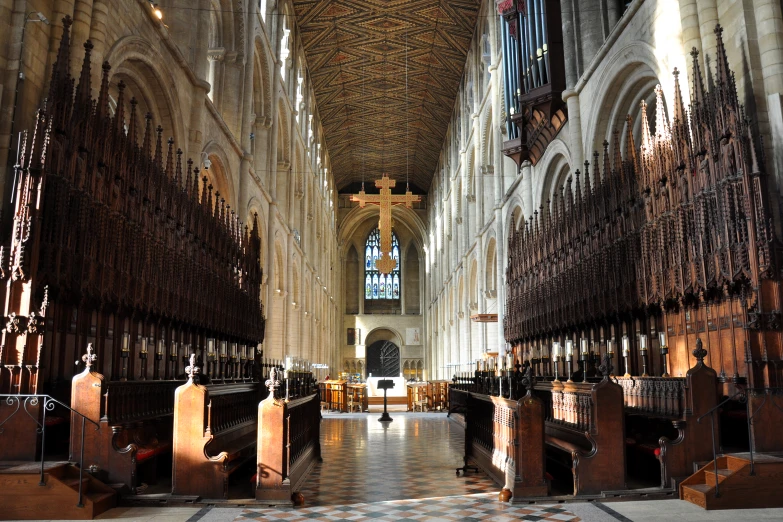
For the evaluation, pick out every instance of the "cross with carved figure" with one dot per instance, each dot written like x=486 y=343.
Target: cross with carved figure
x=385 y=200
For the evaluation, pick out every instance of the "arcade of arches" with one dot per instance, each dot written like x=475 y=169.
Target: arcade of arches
x=599 y=196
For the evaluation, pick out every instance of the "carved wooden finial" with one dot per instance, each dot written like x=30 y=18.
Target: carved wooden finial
x=699 y=352
x=606 y=367
x=272 y=383
x=192 y=370
x=527 y=380
x=89 y=357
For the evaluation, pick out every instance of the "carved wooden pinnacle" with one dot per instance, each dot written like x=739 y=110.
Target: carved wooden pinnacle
x=89 y=357
x=606 y=368
x=699 y=352
x=272 y=383
x=192 y=370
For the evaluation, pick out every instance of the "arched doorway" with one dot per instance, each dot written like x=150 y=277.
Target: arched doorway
x=383 y=359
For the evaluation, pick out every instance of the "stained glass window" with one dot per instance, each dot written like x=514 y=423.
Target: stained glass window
x=377 y=285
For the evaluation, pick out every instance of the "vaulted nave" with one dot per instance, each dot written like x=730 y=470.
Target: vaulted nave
x=544 y=236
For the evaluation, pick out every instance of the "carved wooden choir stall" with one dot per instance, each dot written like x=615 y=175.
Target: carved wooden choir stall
x=120 y=247
x=663 y=263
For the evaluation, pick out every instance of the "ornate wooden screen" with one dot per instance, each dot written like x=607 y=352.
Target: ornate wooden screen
x=676 y=238
x=113 y=245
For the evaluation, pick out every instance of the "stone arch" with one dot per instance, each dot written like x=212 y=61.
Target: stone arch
x=491 y=269
x=135 y=62
x=627 y=76
x=262 y=90
x=279 y=268
x=473 y=285
x=218 y=173
x=487 y=154
x=254 y=209
x=557 y=171
x=516 y=217
x=383 y=333
x=295 y=283
x=460 y=294
x=284 y=142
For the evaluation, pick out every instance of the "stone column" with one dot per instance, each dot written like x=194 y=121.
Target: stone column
x=689 y=20
x=575 y=127
x=247 y=120
x=271 y=168
x=769 y=27
x=80 y=30
x=100 y=13
x=589 y=30
x=708 y=19
x=527 y=189
x=215 y=57
x=570 y=51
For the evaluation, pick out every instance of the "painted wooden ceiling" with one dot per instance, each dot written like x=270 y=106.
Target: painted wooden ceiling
x=356 y=54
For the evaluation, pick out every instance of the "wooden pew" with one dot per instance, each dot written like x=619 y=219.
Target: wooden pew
x=677 y=401
x=585 y=421
x=505 y=438
x=214 y=434
x=135 y=424
x=288 y=445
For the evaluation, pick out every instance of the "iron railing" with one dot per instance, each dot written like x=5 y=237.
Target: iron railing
x=742 y=396
x=46 y=403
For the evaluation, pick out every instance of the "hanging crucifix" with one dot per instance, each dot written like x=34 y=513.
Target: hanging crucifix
x=385 y=200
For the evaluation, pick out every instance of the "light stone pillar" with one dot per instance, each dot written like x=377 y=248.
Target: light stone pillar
x=215 y=57
x=589 y=30
x=527 y=189
x=80 y=33
x=100 y=13
x=573 y=65
x=575 y=127
x=689 y=20
x=769 y=28
x=708 y=19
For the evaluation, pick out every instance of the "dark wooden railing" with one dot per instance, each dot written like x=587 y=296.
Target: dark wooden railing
x=505 y=438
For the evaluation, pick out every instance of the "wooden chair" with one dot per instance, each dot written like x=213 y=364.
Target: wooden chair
x=420 y=398
x=354 y=400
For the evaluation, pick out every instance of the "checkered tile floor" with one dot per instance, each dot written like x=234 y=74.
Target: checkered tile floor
x=403 y=470
x=465 y=508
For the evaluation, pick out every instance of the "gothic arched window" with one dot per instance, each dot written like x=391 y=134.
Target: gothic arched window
x=376 y=284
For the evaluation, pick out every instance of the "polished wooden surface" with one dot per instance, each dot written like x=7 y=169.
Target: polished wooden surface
x=288 y=447
x=215 y=431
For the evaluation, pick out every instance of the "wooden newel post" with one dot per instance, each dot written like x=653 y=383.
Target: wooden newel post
x=529 y=475
x=272 y=484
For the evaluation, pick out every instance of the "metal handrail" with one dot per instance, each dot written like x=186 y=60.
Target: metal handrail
x=23 y=401
x=743 y=397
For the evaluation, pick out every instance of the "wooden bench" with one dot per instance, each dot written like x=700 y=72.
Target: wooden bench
x=585 y=424
x=288 y=446
x=215 y=432
x=135 y=425
x=656 y=407
x=505 y=438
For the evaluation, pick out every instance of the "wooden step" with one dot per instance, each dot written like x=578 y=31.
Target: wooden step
x=73 y=483
x=709 y=476
x=738 y=488
x=23 y=499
